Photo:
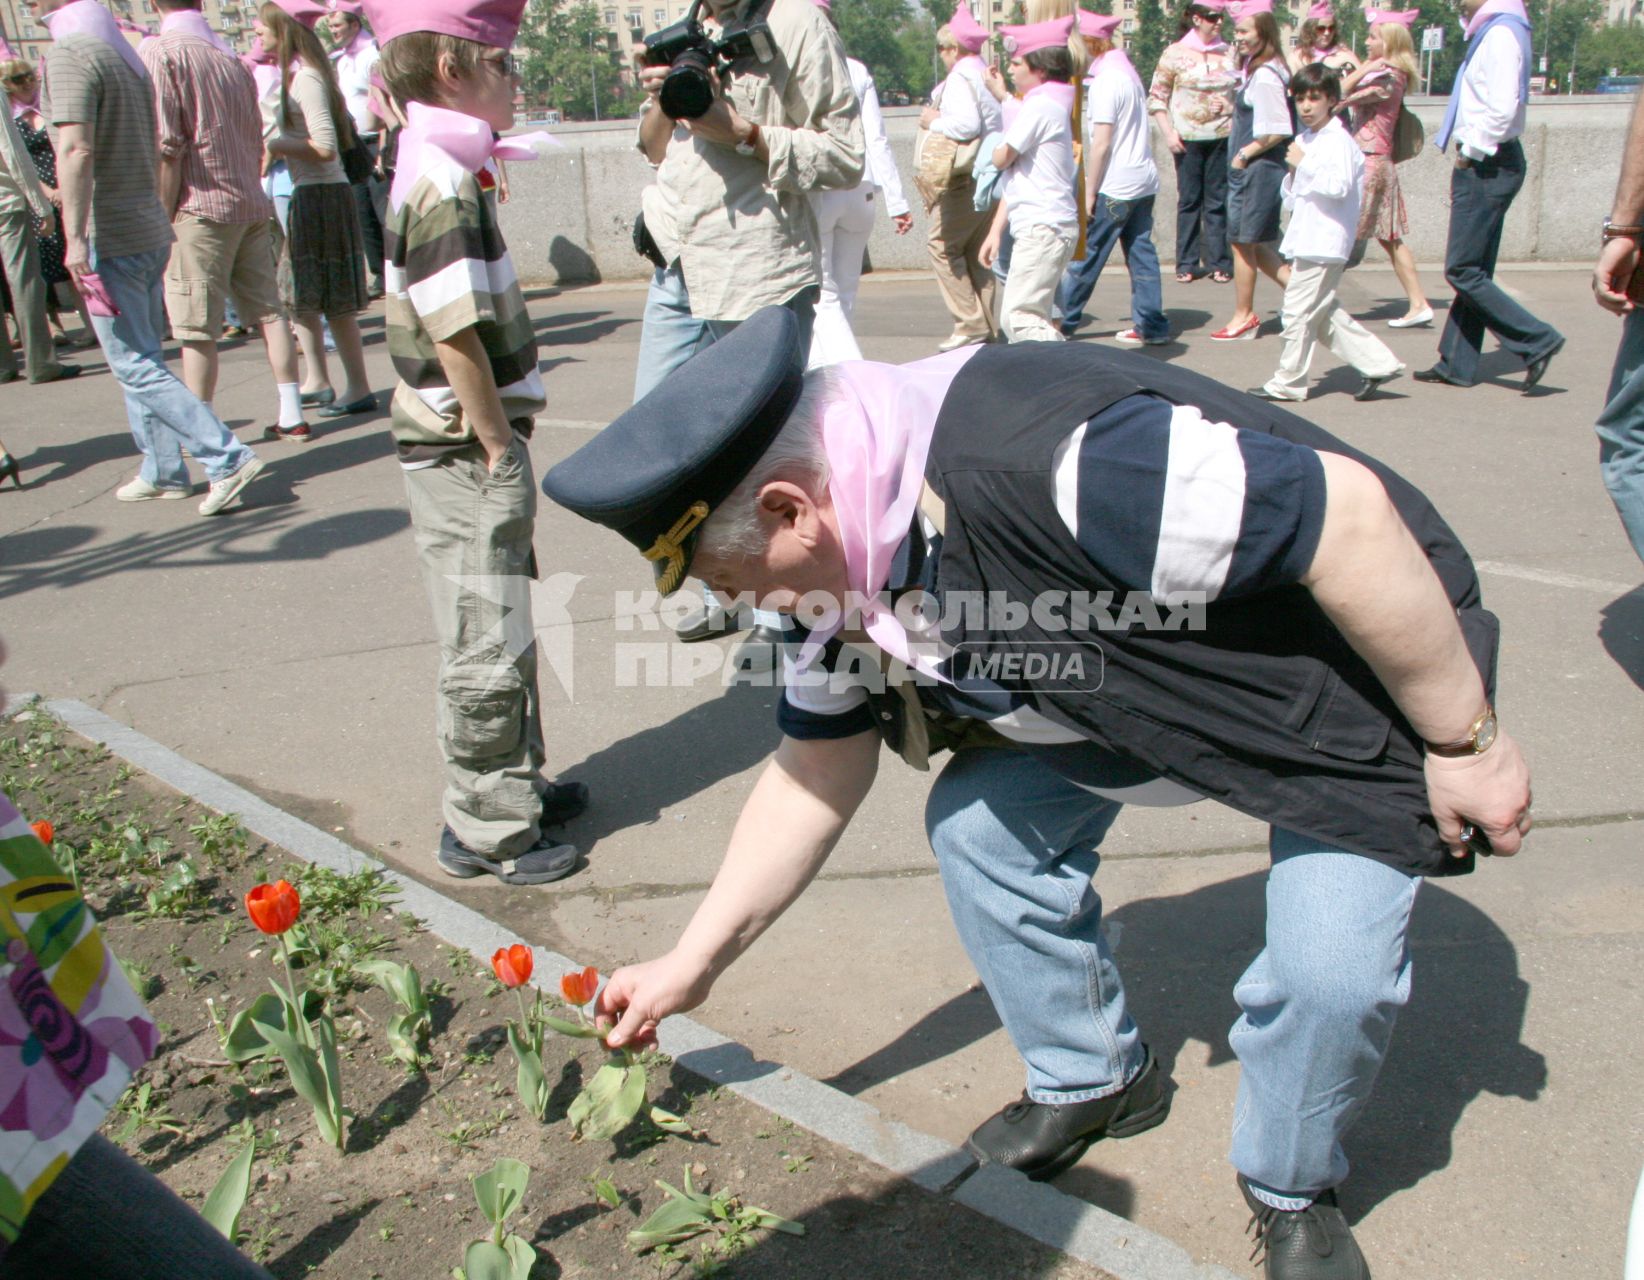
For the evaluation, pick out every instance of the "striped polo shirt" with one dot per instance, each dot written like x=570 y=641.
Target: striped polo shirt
x=448 y=270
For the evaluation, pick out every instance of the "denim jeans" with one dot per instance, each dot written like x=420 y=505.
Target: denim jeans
x=1621 y=432
x=671 y=335
x=1018 y=845
x=107 y=1216
x=166 y=417
x=1201 y=208
x=1480 y=196
x=1128 y=223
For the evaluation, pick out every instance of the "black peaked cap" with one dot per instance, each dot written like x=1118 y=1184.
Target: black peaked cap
x=661 y=468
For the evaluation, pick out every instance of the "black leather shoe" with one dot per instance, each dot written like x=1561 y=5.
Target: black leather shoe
x=1373 y=385
x=761 y=651
x=1041 y=1139
x=1534 y=371
x=710 y=624
x=562 y=801
x=1314 y=1243
x=1435 y=374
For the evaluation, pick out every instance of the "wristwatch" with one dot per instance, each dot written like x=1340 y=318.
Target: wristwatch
x=1476 y=743
x=751 y=145
x=1615 y=231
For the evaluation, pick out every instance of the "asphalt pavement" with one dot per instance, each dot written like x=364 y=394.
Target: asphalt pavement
x=287 y=645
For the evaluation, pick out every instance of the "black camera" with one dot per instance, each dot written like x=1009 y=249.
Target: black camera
x=693 y=57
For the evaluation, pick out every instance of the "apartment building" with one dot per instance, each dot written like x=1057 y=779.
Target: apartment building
x=233 y=18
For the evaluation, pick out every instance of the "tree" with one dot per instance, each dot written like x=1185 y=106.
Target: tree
x=1153 y=32
x=872 y=32
x=567 y=62
x=1618 y=46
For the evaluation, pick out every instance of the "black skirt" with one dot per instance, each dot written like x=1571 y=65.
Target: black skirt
x=323 y=269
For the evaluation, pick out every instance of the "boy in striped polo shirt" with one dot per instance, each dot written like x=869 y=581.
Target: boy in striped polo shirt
x=469 y=388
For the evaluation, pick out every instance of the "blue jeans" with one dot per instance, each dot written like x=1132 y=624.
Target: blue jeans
x=1128 y=223
x=1018 y=846
x=1621 y=432
x=166 y=417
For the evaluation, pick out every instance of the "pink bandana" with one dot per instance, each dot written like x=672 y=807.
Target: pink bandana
x=191 y=22
x=1061 y=94
x=1194 y=41
x=877 y=434
x=360 y=42
x=87 y=17
x=1490 y=8
x=463 y=139
x=1115 y=62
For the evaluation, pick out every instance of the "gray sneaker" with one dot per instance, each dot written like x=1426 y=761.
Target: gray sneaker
x=140 y=490
x=224 y=491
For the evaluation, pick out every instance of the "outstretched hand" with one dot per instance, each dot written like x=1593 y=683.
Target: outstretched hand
x=639 y=996
x=1490 y=792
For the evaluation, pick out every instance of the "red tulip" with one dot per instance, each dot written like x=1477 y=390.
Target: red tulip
x=44 y=831
x=579 y=988
x=273 y=907
x=513 y=965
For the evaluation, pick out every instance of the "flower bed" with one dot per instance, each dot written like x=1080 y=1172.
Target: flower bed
x=431 y=1101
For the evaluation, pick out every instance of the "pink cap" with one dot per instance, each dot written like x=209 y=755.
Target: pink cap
x=1037 y=35
x=492 y=22
x=1215 y=6
x=1401 y=17
x=306 y=12
x=1322 y=12
x=1101 y=26
x=968 y=33
x=351 y=8
x=1249 y=8
x=825 y=5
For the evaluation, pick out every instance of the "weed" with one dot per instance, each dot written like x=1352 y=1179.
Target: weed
x=328 y=894
x=144 y=1108
x=219 y=836
x=465 y=1135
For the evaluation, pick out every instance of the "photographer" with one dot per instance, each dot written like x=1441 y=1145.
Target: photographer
x=728 y=224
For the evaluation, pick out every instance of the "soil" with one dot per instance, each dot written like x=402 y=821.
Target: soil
x=397 y=1202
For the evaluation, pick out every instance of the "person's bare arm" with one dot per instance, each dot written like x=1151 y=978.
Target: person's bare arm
x=171 y=183
x=468 y=369
x=988 y=254
x=1619 y=258
x=1373 y=581
x=655 y=128
x=74 y=161
x=1101 y=150
x=799 y=808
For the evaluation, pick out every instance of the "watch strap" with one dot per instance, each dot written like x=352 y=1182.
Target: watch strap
x=1616 y=231
x=1467 y=746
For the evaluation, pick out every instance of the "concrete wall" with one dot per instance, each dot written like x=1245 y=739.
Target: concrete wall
x=570 y=215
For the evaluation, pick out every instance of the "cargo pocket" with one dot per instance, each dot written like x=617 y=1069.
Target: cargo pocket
x=482 y=712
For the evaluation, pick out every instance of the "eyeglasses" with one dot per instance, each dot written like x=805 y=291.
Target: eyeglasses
x=1326 y=28
x=22 y=77
x=505 y=64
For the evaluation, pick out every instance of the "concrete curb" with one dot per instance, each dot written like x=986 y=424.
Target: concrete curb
x=1041 y=1212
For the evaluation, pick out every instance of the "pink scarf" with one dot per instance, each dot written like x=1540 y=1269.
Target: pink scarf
x=191 y=22
x=877 y=433
x=1490 y=8
x=87 y=17
x=1061 y=94
x=431 y=132
x=1194 y=41
x=358 y=45
x=1115 y=62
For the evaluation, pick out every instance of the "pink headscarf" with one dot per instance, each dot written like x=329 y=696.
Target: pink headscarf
x=968 y=33
x=431 y=132
x=877 y=432
x=87 y=17
x=1490 y=8
x=492 y=22
x=191 y=22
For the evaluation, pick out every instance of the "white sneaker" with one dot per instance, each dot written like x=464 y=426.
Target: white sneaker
x=224 y=491
x=1133 y=338
x=140 y=490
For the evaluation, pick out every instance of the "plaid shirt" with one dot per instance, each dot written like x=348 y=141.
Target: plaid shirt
x=210 y=123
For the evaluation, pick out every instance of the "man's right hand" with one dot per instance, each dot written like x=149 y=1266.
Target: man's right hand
x=639 y=996
x=77 y=256
x=1617 y=261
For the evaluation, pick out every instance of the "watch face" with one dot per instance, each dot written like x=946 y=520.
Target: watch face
x=1485 y=736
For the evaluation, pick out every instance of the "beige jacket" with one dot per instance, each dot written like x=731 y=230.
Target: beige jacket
x=742 y=229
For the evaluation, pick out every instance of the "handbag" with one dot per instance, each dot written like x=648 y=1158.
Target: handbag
x=941 y=164
x=1408 y=136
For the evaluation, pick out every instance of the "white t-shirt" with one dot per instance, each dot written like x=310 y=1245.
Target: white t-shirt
x=1039 y=184
x=1266 y=92
x=1117 y=98
x=968 y=109
x=354 y=79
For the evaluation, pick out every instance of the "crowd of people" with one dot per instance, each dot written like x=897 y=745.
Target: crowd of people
x=762 y=456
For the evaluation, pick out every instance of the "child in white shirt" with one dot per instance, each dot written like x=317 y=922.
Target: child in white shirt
x=1036 y=158
x=1323 y=193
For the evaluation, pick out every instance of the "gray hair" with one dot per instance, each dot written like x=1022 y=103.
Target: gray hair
x=795 y=455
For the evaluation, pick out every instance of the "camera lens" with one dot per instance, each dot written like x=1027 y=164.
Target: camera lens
x=688 y=90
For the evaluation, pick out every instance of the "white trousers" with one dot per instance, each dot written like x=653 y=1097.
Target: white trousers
x=1037 y=260
x=1313 y=314
x=845 y=221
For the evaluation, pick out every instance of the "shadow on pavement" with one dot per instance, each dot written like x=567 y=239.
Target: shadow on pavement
x=67 y=460
x=635 y=778
x=1622 y=633
x=578 y=328
x=946 y=1029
